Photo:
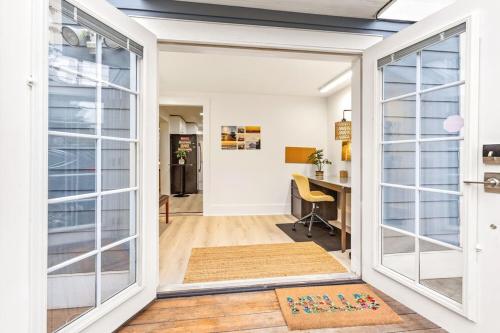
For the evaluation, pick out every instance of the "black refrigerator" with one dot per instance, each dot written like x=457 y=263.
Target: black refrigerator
x=189 y=143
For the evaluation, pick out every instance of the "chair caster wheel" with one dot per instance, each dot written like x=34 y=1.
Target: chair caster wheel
x=332 y=233
x=294 y=229
x=309 y=235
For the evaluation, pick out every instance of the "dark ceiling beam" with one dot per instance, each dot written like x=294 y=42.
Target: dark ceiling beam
x=255 y=16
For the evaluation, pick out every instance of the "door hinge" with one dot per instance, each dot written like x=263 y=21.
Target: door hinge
x=30 y=82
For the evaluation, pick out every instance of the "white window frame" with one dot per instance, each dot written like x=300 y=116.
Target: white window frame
x=26 y=173
x=468 y=209
x=99 y=193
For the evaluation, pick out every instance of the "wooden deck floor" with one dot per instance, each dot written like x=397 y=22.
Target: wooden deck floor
x=255 y=312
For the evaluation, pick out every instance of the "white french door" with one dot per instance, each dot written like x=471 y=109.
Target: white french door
x=98 y=225
x=420 y=144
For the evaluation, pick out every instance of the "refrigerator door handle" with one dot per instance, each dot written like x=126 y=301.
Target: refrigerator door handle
x=200 y=158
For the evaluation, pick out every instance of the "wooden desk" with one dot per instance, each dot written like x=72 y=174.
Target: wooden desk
x=342 y=186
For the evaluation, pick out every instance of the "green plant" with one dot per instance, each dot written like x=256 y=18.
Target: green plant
x=317 y=158
x=181 y=154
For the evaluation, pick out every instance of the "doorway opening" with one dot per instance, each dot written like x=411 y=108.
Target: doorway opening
x=263 y=113
x=181 y=158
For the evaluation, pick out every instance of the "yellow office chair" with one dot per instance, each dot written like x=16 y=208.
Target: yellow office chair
x=314 y=197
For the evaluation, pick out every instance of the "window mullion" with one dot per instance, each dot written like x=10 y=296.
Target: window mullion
x=417 y=164
x=98 y=169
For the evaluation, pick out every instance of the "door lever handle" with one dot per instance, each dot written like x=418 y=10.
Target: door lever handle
x=490 y=181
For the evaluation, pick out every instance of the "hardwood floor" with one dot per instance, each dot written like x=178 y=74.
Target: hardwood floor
x=191 y=204
x=186 y=232
x=256 y=312
x=183 y=233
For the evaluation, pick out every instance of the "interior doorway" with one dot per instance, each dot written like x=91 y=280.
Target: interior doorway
x=181 y=151
x=247 y=187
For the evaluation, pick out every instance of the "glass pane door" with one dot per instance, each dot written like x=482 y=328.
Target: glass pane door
x=422 y=137
x=92 y=189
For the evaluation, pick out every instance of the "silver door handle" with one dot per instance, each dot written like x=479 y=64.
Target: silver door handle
x=490 y=181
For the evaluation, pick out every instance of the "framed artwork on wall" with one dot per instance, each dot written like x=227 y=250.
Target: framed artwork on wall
x=240 y=138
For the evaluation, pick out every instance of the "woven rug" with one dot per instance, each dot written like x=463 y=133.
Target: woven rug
x=259 y=261
x=334 y=306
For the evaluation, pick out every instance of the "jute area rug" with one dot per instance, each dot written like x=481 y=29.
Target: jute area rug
x=333 y=306
x=259 y=261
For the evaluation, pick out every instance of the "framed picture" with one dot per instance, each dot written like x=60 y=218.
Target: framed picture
x=228 y=138
x=240 y=138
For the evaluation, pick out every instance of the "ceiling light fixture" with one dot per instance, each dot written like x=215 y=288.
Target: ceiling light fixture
x=336 y=82
x=201 y=114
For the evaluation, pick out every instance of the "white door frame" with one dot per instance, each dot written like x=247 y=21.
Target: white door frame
x=373 y=272
x=133 y=298
x=174 y=99
x=255 y=39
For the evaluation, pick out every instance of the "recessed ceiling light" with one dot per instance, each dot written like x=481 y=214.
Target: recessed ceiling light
x=336 y=82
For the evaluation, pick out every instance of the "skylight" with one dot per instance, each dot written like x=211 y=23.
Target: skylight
x=412 y=10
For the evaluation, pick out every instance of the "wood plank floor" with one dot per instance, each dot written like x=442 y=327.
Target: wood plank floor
x=183 y=233
x=255 y=312
x=191 y=204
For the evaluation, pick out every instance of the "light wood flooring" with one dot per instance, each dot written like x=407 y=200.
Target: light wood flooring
x=255 y=312
x=191 y=204
x=183 y=233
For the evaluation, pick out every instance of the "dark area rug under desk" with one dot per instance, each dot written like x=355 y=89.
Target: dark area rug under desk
x=320 y=235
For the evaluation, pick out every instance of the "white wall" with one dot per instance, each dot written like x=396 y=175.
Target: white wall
x=336 y=103
x=258 y=182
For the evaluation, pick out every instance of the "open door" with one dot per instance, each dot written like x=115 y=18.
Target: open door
x=419 y=146
x=96 y=104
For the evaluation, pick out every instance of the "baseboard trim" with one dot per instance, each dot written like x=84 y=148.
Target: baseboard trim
x=247 y=209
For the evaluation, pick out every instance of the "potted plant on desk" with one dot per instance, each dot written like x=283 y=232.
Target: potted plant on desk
x=317 y=158
x=181 y=156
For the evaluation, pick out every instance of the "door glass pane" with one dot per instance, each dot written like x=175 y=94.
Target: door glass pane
x=399 y=163
x=118 y=269
x=118 y=113
x=400 y=77
x=441 y=269
x=72 y=47
x=118 y=65
x=398 y=208
x=117 y=220
x=70 y=293
x=72 y=106
x=440 y=165
x=441 y=63
x=116 y=164
x=399 y=120
x=398 y=252
x=72 y=163
x=441 y=114
x=71 y=229
x=440 y=217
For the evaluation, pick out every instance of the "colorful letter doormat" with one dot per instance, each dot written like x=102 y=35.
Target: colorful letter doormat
x=334 y=306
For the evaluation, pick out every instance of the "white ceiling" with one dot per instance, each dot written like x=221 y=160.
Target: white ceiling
x=350 y=8
x=190 y=114
x=229 y=73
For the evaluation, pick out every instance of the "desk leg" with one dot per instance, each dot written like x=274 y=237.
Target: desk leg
x=343 y=231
